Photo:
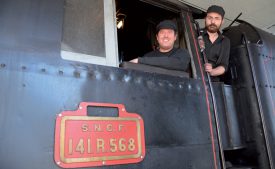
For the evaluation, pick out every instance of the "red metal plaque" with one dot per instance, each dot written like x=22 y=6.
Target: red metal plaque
x=86 y=141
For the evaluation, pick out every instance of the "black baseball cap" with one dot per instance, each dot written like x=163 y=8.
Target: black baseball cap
x=216 y=9
x=166 y=24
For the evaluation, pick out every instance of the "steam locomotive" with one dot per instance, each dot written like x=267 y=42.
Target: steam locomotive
x=65 y=82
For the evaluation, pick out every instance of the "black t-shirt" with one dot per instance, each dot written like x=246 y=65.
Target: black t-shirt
x=175 y=59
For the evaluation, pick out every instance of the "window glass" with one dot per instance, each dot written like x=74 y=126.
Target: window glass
x=89 y=32
x=83 y=27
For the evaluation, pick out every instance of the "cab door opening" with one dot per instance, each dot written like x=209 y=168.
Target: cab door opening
x=137 y=36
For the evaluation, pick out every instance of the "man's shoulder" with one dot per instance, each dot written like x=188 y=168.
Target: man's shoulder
x=226 y=40
x=153 y=53
x=182 y=51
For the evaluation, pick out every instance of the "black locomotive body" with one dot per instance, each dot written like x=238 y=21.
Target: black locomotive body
x=39 y=80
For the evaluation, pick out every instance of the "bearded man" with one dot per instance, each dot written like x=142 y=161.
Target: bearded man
x=217 y=46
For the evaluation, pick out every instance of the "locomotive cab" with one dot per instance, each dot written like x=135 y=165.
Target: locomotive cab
x=57 y=55
x=68 y=52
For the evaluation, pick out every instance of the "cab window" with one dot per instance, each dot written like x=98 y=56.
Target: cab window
x=112 y=32
x=137 y=36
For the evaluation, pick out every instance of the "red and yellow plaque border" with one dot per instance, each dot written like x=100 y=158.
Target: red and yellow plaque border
x=81 y=114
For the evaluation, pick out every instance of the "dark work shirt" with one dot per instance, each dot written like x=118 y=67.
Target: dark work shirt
x=218 y=52
x=175 y=59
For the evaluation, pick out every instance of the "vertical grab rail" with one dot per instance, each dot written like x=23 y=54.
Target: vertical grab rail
x=213 y=100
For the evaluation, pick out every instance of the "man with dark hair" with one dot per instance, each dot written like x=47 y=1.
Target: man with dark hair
x=166 y=56
x=217 y=46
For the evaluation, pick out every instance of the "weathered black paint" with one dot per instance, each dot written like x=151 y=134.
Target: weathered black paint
x=173 y=110
x=252 y=65
x=228 y=116
x=36 y=85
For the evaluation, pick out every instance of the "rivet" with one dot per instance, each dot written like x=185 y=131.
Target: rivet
x=80 y=107
x=77 y=74
x=189 y=86
x=59 y=114
x=60 y=72
x=111 y=77
x=103 y=162
x=3 y=65
x=126 y=78
x=170 y=85
x=160 y=84
x=141 y=157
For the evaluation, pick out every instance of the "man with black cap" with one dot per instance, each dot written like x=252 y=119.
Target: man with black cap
x=166 y=56
x=217 y=46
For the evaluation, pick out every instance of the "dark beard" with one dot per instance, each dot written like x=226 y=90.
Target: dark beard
x=212 y=28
